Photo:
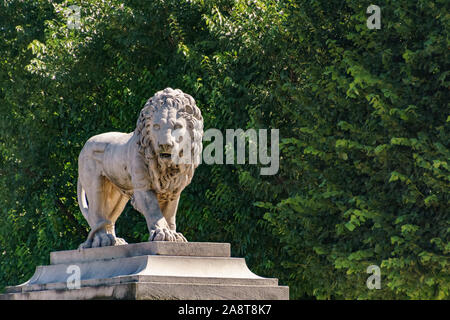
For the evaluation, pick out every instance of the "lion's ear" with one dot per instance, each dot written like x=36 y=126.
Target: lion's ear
x=197 y=113
x=148 y=103
x=189 y=109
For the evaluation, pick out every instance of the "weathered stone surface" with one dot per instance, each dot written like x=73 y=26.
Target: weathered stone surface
x=153 y=270
x=198 y=249
x=158 y=291
x=178 y=266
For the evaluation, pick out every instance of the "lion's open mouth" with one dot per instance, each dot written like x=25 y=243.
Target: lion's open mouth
x=165 y=155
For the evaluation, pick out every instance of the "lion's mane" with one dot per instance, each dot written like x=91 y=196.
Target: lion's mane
x=170 y=179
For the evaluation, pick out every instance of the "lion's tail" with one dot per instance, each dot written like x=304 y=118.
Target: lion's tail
x=82 y=202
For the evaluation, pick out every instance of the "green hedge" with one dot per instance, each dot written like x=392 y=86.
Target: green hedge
x=363 y=118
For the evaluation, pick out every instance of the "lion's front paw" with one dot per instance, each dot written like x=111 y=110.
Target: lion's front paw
x=120 y=241
x=102 y=240
x=165 y=234
x=85 y=245
x=180 y=237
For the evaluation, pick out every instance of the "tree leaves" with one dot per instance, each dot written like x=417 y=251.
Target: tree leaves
x=363 y=176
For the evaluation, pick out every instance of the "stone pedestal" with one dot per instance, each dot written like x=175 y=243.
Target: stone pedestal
x=148 y=271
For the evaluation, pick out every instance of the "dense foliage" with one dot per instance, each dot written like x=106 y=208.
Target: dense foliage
x=363 y=117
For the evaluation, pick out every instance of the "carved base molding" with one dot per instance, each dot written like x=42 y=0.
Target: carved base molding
x=148 y=271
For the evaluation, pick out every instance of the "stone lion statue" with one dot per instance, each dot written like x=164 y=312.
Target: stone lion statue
x=151 y=166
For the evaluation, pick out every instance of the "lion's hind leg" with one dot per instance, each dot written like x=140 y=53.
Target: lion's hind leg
x=106 y=202
x=114 y=207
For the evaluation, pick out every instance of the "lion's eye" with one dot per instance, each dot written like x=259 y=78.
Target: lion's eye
x=178 y=126
x=156 y=126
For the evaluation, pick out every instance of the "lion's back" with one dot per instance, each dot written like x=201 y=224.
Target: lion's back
x=110 y=138
x=109 y=143
x=106 y=154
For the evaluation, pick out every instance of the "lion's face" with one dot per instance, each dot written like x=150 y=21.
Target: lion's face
x=170 y=137
x=169 y=134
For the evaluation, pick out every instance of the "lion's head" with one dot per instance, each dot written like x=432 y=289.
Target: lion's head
x=170 y=131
